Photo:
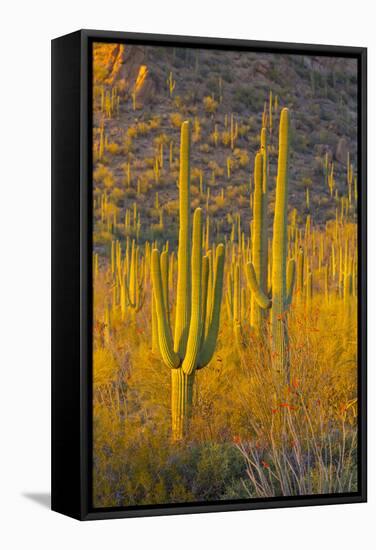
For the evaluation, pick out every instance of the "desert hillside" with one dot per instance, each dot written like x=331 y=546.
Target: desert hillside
x=142 y=94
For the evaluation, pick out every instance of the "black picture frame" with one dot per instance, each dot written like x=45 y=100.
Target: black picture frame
x=72 y=273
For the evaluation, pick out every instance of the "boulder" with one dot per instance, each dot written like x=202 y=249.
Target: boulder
x=342 y=150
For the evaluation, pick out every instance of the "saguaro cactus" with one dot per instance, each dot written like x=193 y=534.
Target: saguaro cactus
x=171 y=84
x=300 y=274
x=197 y=307
x=234 y=300
x=283 y=275
x=260 y=232
x=131 y=285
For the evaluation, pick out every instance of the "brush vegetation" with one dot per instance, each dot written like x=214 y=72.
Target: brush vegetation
x=225 y=277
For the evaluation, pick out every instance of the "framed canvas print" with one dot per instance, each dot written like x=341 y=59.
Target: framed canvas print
x=209 y=275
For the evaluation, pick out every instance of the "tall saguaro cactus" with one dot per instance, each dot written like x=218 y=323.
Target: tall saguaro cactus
x=283 y=274
x=260 y=232
x=198 y=306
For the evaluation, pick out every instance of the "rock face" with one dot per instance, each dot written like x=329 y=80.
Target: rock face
x=126 y=67
x=342 y=150
x=107 y=60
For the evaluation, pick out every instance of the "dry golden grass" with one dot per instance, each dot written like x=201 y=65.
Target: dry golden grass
x=251 y=433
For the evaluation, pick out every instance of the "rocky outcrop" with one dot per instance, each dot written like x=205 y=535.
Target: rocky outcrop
x=127 y=67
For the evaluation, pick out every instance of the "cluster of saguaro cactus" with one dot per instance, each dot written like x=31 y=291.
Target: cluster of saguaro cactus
x=108 y=99
x=131 y=284
x=132 y=222
x=127 y=275
x=270 y=110
x=197 y=306
x=260 y=272
x=324 y=258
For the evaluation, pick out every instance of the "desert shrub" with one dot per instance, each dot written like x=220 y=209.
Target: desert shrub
x=176 y=120
x=162 y=138
x=113 y=148
x=142 y=128
x=242 y=157
x=226 y=138
x=210 y=104
x=204 y=148
x=128 y=146
x=103 y=174
x=155 y=122
x=214 y=167
x=132 y=132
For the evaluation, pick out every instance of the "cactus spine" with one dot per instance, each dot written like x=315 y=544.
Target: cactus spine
x=195 y=339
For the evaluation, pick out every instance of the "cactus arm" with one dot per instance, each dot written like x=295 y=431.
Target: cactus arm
x=261 y=298
x=154 y=324
x=264 y=234
x=205 y=280
x=127 y=293
x=291 y=271
x=195 y=327
x=211 y=338
x=183 y=305
x=139 y=299
x=257 y=217
x=164 y=273
x=209 y=292
x=164 y=333
x=280 y=214
x=140 y=302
